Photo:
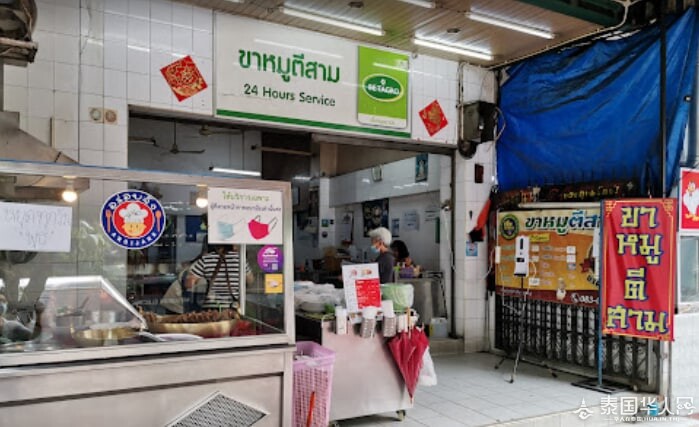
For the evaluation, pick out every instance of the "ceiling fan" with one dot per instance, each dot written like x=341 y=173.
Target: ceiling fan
x=174 y=148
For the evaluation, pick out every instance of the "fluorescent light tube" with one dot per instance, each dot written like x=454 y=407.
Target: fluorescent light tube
x=510 y=25
x=235 y=171
x=454 y=49
x=421 y=3
x=376 y=31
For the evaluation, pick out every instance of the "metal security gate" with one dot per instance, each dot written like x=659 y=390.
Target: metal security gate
x=564 y=336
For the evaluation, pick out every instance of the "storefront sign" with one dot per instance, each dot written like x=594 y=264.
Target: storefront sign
x=689 y=201
x=562 y=259
x=35 y=228
x=271 y=73
x=245 y=216
x=362 y=287
x=639 y=268
x=133 y=219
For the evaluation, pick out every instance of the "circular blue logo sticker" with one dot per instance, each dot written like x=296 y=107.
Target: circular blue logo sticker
x=133 y=219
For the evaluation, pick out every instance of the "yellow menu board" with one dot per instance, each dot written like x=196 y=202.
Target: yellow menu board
x=562 y=262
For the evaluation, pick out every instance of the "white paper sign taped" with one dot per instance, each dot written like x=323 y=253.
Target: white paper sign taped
x=36 y=228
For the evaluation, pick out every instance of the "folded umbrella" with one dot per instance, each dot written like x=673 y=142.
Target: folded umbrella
x=407 y=349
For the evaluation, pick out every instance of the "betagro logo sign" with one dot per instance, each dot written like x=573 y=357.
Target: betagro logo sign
x=383 y=81
x=382 y=88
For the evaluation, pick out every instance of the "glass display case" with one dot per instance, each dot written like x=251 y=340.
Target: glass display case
x=137 y=268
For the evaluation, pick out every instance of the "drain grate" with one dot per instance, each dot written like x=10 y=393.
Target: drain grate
x=219 y=411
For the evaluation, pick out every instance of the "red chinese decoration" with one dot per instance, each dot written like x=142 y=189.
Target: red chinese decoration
x=638 y=284
x=184 y=78
x=433 y=118
x=689 y=200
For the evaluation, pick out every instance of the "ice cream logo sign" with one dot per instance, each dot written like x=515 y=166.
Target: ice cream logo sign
x=133 y=219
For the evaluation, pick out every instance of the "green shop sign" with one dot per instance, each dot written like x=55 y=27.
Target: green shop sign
x=382 y=84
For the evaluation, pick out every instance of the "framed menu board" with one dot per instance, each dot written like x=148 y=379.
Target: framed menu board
x=362 y=288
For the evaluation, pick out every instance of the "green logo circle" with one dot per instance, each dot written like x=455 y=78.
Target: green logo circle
x=509 y=227
x=382 y=88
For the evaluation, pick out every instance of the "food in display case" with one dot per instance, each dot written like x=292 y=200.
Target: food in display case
x=85 y=311
x=206 y=324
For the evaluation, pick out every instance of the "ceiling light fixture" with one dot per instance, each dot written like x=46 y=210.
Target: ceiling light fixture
x=421 y=3
x=498 y=22
x=69 y=195
x=234 y=171
x=459 y=50
x=202 y=200
x=376 y=31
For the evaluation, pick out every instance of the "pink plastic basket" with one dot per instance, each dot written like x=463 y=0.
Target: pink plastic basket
x=313 y=372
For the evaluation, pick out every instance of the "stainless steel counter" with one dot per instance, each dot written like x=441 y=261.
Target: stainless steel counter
x=149 y=392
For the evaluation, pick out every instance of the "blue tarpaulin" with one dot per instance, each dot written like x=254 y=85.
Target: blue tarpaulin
x=592 y=113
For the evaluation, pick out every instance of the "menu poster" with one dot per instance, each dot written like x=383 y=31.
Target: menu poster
x=362 y=288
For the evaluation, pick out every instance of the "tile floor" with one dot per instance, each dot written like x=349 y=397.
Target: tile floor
x=470 y=392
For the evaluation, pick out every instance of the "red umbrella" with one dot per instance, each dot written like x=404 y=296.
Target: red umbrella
x=407 y=349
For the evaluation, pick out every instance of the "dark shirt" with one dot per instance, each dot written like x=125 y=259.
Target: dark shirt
x=385 y=261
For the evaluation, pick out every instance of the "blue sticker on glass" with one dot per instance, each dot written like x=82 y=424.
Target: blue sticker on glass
x=132 y=219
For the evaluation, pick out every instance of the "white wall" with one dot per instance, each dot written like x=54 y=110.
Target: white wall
x=398 y=179
x=684 y=368
x=421 y=243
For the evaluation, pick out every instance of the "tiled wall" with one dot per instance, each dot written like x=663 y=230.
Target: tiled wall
x=434 y=79
x=684 y=367
x=105 y=54
x=470 y=272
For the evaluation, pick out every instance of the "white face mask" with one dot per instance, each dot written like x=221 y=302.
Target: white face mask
x=3 y=308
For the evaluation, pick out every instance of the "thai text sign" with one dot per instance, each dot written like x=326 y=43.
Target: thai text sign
x=245 y=216
x=639 y=268
x=35 y=228
x=562 y=262
x=271 y=73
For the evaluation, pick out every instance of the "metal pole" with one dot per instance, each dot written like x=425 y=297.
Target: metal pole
x=600 y=258
x=663 y=96
x=663 y=380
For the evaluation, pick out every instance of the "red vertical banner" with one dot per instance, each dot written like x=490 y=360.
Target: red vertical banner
x=638 y=280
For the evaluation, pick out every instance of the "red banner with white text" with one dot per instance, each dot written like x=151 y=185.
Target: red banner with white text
x=638 y=271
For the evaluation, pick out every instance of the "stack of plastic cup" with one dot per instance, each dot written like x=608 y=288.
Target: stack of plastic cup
x=368 y=322
x=389 y=319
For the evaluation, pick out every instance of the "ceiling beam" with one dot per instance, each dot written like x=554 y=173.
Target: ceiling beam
x=602 y=12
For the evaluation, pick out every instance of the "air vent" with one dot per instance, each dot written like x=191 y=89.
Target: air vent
x=219 y=411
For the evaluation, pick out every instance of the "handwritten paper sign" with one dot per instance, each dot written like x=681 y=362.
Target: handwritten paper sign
x=638 y=281
x=36 y=228
x=362 y=288
x=245 y=216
